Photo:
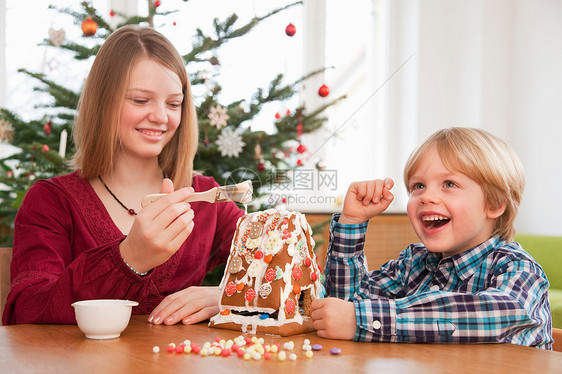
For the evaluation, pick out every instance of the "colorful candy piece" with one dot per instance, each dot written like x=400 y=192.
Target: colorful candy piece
x=335 y=351
x=230 y=288
x=289 y=306
x=297 y=289
x=297 y=273
x=269 y=275
x=156 y=349
x=278 y=273
x=250 y=294
x=316 y=347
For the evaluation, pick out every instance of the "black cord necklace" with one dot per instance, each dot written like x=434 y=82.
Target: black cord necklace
x=131 y=211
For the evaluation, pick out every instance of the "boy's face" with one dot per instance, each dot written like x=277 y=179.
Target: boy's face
x=447 y=209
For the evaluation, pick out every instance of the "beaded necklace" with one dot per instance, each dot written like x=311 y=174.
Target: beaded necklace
x=131 y=211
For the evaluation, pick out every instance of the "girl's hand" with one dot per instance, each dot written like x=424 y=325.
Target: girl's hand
x=366 y=199
x=159 y=229
x=334 y=318
x=190 y=305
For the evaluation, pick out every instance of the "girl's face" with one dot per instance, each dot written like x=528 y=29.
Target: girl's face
x=448 y=210
x=151 y=110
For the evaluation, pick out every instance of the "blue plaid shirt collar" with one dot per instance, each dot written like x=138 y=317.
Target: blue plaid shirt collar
x=465 y=263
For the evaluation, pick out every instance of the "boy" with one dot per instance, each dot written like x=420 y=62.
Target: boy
x=467 y=282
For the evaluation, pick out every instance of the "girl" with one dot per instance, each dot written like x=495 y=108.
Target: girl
x=84 y=236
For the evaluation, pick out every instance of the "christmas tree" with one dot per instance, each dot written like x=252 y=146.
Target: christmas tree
x=229 y=150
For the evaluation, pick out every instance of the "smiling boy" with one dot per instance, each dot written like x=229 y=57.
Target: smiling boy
x=467 y=281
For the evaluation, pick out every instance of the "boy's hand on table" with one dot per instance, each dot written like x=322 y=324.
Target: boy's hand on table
x=334 y=318
x=366 y=199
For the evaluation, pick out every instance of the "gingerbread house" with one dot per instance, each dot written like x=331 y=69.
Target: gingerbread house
x=271 y=275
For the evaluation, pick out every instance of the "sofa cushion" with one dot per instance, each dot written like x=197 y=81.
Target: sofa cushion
x=555 y=298
x=547 y=251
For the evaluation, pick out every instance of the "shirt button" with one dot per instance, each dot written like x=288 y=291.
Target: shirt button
x=376 y=325
x=434 y=287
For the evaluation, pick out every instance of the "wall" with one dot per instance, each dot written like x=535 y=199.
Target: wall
x=536 y=112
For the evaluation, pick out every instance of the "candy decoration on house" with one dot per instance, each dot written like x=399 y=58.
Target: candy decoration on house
x=271 y=275
x=290 y=30
x=89 y=26
x=218 y=116
x=230 y=143
x=324 y=90
x=157 y=4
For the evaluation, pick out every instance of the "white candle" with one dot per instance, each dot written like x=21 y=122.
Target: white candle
x=62 y=144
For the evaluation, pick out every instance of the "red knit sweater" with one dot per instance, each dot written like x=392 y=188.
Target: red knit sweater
x=66 y=248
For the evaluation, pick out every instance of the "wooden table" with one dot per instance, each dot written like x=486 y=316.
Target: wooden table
x=64 y=349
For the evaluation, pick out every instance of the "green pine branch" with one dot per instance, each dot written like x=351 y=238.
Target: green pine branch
x=63 y=96
x=223 y=33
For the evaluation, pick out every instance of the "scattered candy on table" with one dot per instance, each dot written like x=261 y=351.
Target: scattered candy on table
x=246 y=348
x=335 y=351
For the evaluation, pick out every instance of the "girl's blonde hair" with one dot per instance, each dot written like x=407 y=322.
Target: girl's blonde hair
x=484 y=158
x=96 y=125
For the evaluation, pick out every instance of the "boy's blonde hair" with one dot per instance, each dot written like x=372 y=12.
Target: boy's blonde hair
x=484 y=158
x=96 y=126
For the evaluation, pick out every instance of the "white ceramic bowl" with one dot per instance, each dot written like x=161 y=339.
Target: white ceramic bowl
x=104 y=318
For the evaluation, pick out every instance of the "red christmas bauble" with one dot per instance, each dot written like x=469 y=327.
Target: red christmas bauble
x=301 y=148
x=112 y=13
x=47 y=128
x=45 y=148
x=277 y=115
x=89 y=26
x=156 y=4
x=261 y=166
x=299 y=162
x=323 y=91
x=290 y=30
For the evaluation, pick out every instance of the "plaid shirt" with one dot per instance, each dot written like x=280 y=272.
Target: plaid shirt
x=494 y=292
